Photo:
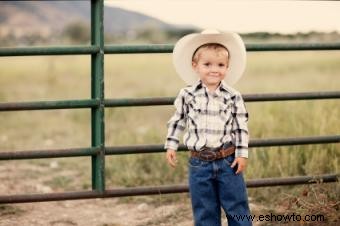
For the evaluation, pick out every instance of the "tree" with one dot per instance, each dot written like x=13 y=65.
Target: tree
x=77 y=32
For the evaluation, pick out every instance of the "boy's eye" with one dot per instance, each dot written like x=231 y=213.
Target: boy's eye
x=206 y=64
x=221 y=65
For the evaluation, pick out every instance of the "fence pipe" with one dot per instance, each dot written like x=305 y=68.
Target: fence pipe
x=293 y=46
x=43 y=51
x=291 y=96
x=154 y=48
x=133 y=102
x=52 y=153
x=97 y=93
x=167 y=48
x=49 y=105
x=158 y=190
x=139 y=149
x=156 y=148
x=154 y=101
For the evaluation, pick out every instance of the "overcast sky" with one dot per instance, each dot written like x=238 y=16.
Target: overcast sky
x=242 y=16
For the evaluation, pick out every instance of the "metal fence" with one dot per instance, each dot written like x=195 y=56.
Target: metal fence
x=98 y=103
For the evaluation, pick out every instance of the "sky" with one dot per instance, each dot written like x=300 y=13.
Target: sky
x=241 y=16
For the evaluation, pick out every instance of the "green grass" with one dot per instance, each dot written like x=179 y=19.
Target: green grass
x=68 y=77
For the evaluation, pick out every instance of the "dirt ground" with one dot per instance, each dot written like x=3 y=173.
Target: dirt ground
x=98 y=212
x=26 y=178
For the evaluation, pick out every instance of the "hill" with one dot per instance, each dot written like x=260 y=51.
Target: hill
x=19 y=19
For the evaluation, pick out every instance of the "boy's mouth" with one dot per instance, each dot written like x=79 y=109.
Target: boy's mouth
x=213 y=75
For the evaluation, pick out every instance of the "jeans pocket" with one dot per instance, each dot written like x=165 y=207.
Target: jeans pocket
x=194 y=162
x=229 y=159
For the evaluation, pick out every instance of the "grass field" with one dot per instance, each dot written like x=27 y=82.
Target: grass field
x=68 y=77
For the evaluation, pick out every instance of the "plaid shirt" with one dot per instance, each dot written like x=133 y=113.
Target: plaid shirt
x=211 y=119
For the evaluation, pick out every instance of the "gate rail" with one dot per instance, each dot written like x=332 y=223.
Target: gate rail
x=136 y=191
x=98 y=103
x=133 y=102
x=155 y=148
x=153 y=48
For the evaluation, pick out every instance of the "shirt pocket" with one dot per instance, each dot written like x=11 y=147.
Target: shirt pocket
x=194 y=110
x=225 y=112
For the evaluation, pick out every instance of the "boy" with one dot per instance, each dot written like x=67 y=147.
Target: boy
x=216 y=121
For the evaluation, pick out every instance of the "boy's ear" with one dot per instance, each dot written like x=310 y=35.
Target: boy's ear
x=228 y=63
x=193 y=64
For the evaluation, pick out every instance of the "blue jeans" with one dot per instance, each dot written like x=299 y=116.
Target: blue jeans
x=214 y=184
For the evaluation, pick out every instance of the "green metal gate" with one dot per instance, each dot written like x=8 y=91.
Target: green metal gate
x=97 y=103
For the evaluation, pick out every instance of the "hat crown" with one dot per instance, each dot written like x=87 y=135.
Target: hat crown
x=210 y=31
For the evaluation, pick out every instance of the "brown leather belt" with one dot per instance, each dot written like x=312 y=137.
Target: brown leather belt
x=211 y=154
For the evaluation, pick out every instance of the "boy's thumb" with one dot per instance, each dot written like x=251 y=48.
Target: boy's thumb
x=233 y=164
x=174 y=157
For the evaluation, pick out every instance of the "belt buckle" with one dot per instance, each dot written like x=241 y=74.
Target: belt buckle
x=207 y=155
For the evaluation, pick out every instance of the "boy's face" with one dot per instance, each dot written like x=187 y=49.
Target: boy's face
x=211 y=66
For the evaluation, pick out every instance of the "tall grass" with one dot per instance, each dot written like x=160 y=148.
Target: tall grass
x=50 y=78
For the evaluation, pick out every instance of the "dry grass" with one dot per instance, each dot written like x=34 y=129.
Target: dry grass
x=59 y=78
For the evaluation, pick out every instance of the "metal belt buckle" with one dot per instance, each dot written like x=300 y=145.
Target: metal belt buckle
x=207 y=155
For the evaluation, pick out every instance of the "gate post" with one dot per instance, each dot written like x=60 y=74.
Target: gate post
x=97 y=93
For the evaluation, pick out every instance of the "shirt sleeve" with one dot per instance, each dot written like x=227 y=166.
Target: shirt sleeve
x=177 y=123
x=240 y=127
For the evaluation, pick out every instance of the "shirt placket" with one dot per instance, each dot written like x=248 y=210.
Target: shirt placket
x=211 y=103
x=206 y=122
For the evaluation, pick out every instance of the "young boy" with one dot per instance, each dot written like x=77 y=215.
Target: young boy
x=216 y=121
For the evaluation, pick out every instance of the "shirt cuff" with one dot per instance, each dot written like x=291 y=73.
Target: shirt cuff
x=241 y=152
x=171 y=144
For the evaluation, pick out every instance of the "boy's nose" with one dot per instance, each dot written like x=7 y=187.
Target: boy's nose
x=214 y=69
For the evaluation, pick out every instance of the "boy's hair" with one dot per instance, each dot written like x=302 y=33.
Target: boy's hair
x=215 y=46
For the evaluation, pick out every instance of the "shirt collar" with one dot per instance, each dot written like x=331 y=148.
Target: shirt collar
x=197 y=85
x=221 y=90
x=221 y=87
x=224 y=87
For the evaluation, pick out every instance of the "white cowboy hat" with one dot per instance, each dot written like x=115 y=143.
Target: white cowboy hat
x=187 y=45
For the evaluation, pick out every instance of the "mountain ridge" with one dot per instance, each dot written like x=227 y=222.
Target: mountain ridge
x=46 y=18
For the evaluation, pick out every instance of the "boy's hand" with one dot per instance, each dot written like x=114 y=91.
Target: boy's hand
x=241 y=164
x=171 y=157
